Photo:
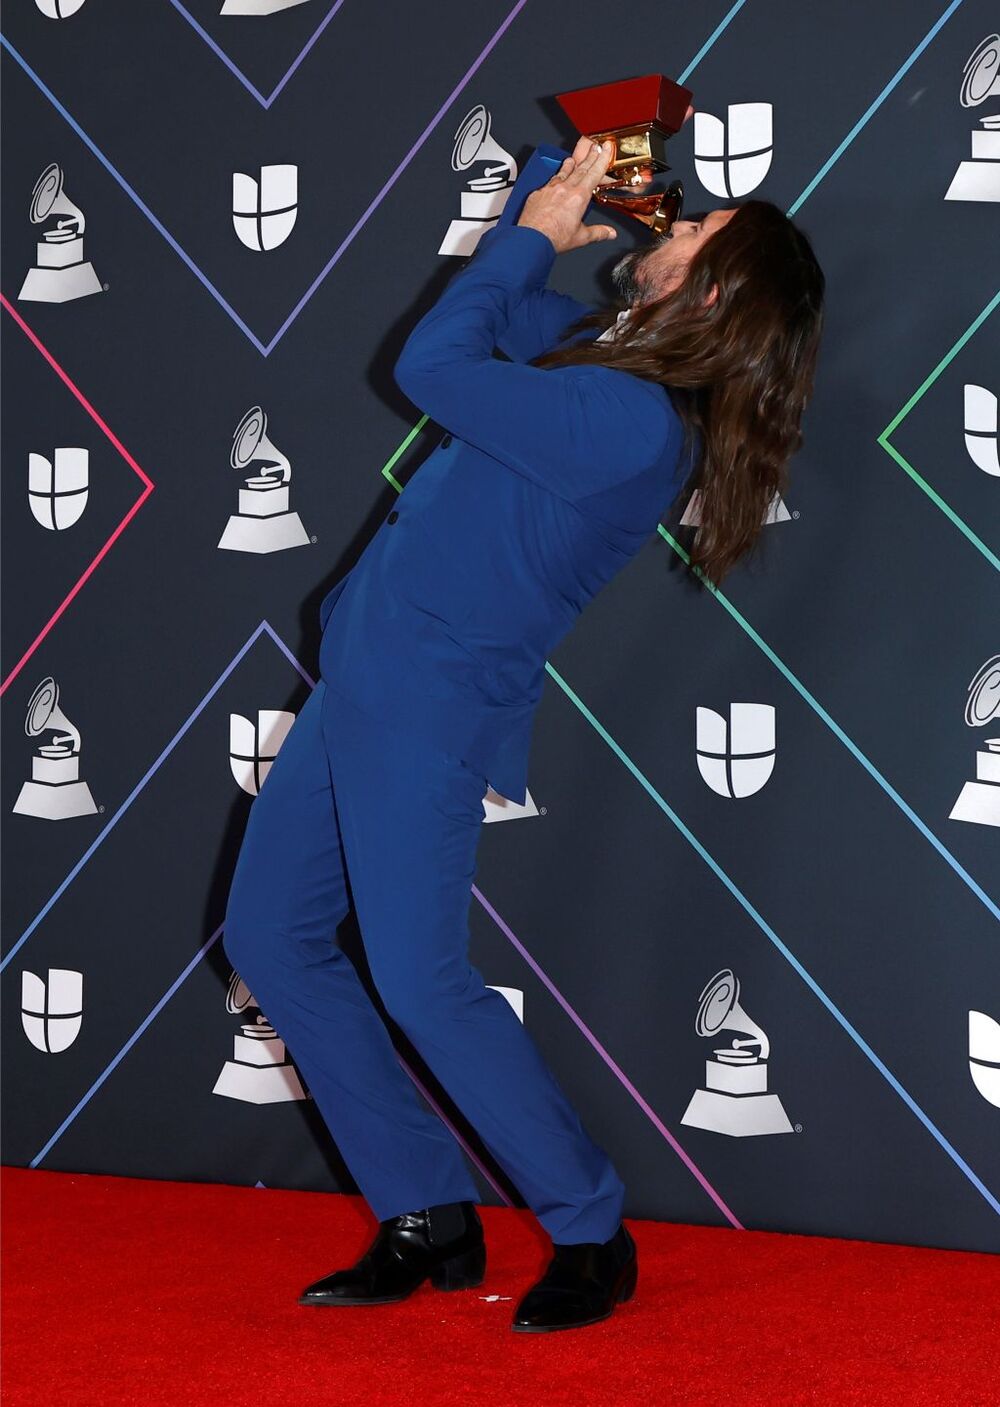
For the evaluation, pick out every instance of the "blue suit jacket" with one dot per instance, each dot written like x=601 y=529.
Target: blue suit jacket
x=546 y=484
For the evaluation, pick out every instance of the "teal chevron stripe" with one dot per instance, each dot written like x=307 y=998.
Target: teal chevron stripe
x=874 y=106
x=785 y=951
x=901 y=415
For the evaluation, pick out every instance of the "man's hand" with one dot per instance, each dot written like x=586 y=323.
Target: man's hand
x=557 y=208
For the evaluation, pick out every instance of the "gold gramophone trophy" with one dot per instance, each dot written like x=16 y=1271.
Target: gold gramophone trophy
x=637 y=115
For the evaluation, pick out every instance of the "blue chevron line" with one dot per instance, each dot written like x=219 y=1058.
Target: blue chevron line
x=265 y=348
x=151 y=1016
x=786 y=952
x=238 y=73
x=150 y=772
x=848 y=742
x=720 y=27
x=873 y=107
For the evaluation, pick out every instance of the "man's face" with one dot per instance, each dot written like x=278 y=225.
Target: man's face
x=649 y=273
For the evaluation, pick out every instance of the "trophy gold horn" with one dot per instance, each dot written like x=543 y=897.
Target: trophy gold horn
x=637 y=115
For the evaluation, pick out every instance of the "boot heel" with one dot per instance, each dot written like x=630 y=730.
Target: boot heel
x=462 y=1272
x=628 y=1285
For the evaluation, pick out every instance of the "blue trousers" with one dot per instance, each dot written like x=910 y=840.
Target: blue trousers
x=353 y=800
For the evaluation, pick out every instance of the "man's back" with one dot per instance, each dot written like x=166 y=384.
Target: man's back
x=547 y=483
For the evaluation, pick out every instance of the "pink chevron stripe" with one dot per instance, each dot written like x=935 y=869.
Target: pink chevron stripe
x=130 y=461
x=612 y=1064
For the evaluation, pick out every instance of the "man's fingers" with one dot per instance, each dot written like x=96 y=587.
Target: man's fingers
x=595 y=233
x=593 y=166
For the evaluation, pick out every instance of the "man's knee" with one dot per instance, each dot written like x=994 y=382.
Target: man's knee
x=419 y=998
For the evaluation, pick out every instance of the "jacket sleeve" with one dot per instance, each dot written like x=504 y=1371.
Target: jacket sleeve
x=575 y=430
x=535 y=317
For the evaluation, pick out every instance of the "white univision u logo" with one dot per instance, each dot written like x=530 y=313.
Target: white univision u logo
x=738 y=760
x=733 y=157
x=264 y=210
x=984 y=1055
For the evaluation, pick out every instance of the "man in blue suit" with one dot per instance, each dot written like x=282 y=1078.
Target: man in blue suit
x=432 y=661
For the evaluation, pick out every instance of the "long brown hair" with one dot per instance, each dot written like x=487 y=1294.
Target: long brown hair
x=739 y=371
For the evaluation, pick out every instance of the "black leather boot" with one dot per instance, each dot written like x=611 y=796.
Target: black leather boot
x=582 y=1284
x=444 y=1242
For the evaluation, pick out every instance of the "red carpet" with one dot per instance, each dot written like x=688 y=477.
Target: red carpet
x=120 y=1291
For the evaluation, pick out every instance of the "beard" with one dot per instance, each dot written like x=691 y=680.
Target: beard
x=627 y=277
x=631 y=278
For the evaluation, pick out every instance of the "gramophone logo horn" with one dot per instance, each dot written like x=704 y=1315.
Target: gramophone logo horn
x=979 y=800
x=735 y=1100
x=485 y=195
x=260 y=1071
x=60 y=272
x=55 y=791
x=979 y=179
x=264 y=520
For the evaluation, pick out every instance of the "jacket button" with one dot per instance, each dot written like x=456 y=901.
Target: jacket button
x=446 y=442
x=392 y=516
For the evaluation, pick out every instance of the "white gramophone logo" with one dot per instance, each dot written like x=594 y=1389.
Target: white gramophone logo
x=257 y=7
x=979 y=179
x=740 y=764
x=486 y=194
x=979 y=801
x=733 y=157
x=264 y=521
x=735 y=1099
x=58 y=487
x=55 y=791
x=515 y=999
x=59 y=9
x=981 y=428
x=60 y=273
x=264 y=211
x=260 y=1071
x=776 y=511
x=984 y=1055
x=499 y=808
x=253 y=749
x=52 y=1011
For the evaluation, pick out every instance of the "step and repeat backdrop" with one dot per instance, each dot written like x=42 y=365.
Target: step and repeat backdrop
x=749 y=908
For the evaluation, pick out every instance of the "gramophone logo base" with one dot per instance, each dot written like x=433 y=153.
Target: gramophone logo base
x=246 y=533
x=736 y=1102
x=51 y=803
x=979 y=179
x=258 y=7
x=979 y=801
x=48 y=284
x=260 y=1072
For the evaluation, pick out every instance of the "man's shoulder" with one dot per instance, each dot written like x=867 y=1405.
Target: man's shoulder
x=649 y=401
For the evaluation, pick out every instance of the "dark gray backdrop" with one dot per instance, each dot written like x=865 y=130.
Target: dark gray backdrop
x=858 y=917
